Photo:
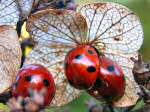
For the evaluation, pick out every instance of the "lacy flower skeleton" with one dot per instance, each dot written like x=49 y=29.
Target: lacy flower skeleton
x=112 y=29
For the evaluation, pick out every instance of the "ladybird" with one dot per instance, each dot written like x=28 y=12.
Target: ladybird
x=110 y=83
x=82 y=66
x=34 y=77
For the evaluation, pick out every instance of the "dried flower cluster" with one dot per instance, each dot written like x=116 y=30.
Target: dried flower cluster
x=34 y=103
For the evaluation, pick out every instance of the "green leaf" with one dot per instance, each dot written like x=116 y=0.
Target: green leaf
x=4 y=108
x=140 y=104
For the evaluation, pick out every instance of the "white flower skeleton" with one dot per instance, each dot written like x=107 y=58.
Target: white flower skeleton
x=111 y=28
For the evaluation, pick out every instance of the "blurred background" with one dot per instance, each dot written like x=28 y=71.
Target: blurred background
x=142 y=10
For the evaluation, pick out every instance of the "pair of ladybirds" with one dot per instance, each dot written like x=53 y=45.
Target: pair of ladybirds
x=85 y=69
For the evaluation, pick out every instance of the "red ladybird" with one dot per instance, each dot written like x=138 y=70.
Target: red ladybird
x=82 y=66
x=110 y=84
x=34 y=77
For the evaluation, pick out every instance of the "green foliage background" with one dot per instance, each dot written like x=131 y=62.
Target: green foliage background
x=142 y=9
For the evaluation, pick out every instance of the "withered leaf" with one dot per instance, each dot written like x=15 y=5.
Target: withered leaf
x=10 y=57
x=25 y=7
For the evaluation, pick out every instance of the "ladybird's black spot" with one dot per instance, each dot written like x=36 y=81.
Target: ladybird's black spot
x=70 y=81
x=91 y=69
x=46 y=82
x=111 y=68
x=28 y=78
x=78 y=57
x=90 y=52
